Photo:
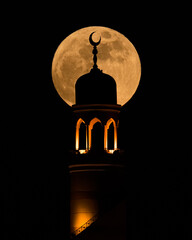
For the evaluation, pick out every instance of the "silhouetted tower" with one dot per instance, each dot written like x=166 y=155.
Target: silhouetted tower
x=96 y=170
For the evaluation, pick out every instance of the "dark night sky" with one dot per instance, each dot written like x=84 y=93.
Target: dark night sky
x=154 y=125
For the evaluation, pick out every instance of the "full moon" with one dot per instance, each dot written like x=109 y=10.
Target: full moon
x=116 y=57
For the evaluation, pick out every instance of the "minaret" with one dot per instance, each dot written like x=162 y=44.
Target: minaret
x=96 y=169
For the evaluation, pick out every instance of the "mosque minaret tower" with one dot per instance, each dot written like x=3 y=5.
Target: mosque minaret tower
x=97 y=171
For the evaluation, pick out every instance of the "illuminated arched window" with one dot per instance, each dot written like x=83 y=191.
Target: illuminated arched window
x=81 y=138
x=91 y=124
x=109 y=130
x=110 y=137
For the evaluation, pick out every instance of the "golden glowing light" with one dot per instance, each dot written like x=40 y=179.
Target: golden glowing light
x=110 y=151
x=83 y=151
x=116 y=56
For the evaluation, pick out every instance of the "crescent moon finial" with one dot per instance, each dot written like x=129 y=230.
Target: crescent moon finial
x=92 y=42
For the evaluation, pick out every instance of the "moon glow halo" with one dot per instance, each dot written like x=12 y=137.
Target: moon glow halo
x=116 y=56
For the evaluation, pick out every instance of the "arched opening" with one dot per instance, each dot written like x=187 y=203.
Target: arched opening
x=110 y=136
x=82 y=136
x=91 y=125
x=97 y=137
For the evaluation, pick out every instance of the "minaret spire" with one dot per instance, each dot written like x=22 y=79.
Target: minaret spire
x=94 y=44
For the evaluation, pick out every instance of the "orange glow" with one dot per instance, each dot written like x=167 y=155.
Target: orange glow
x=81 y=218
x=77 y=133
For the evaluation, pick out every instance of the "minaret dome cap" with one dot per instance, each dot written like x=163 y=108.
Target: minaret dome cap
x=95 y=87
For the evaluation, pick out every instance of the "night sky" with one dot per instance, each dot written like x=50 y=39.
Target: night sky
x=154 y=130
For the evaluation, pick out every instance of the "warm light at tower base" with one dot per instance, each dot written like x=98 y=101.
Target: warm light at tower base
x=82 y=218
x=85 y=225
x=83 y=209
